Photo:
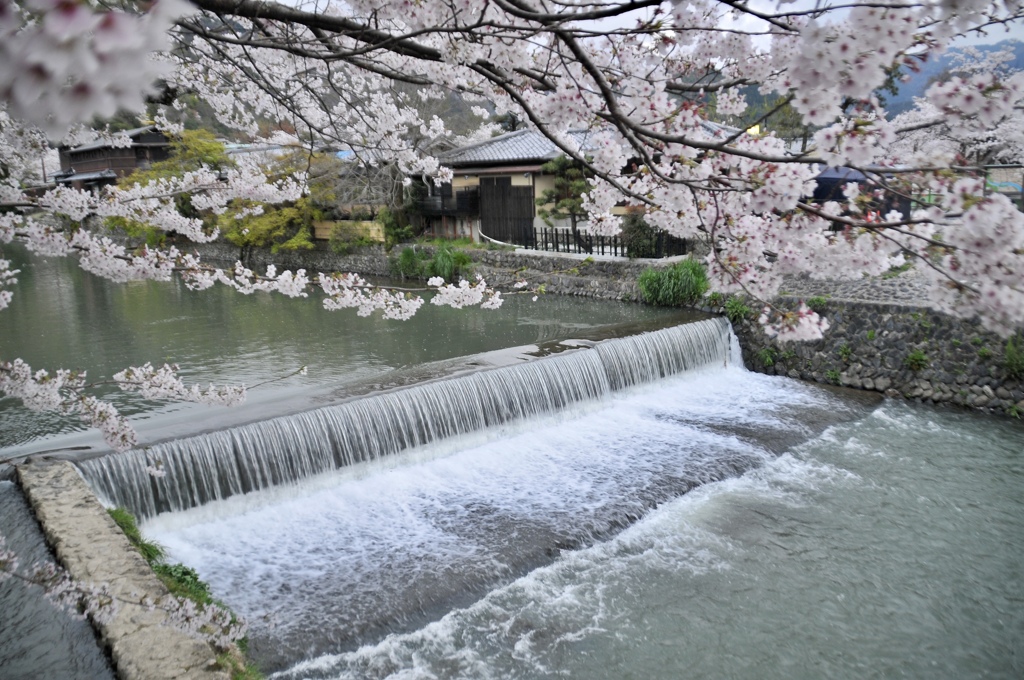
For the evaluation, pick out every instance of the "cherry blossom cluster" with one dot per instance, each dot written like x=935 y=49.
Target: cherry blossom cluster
x=855 y=142
x=8 y=277
x=465 y=294
x=243 y=279
x=79 y=600
x=63 y=62
x=63 y=392
x=799 y=325
x=350 y=291
x=164 y=383
x=97 y=602
x=208 y=622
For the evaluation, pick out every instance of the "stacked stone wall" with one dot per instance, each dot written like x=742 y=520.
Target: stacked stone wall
x=901 y=350
x=560 y=275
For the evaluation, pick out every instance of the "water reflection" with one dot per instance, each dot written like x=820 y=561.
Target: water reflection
x=64 y=317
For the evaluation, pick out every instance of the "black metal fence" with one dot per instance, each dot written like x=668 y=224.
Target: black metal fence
x=563 y=241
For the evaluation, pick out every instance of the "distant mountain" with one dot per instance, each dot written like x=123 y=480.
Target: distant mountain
x=933 y=68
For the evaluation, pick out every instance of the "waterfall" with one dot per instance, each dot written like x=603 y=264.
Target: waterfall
x=221 y=464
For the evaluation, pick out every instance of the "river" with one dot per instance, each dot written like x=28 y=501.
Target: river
x=712 y=523
x=886 y=544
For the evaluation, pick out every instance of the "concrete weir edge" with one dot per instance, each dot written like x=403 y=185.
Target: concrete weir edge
x=93 y=550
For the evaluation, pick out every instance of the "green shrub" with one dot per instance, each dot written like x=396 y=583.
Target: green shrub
x=409 y=264
x=396 y=228
x=716 y=300
x=833 y=376
x=916 y=360
x=767 y=356
x=288 y=227
x=817 y=303
x=736 y=309
x=640 y=238
x=871 y=335
x=1013 y=359
x=985 y=353
x=346 y=236
x=449 y=264
x=683 y=283
x=845 y=351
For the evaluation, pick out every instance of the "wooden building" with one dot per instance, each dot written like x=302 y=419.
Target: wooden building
x=494 y=189
x=99 y=163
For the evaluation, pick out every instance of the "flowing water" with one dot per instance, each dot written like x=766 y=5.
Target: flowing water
x=287 y=449
x=62 y=317
x=36 y=639
x=693 y=520
x=716 y=523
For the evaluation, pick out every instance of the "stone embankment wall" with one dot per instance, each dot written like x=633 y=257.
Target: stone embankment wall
x=604 y=278
x=899 y=349
x=94 y=550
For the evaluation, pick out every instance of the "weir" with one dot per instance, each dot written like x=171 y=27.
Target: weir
x=284 y=450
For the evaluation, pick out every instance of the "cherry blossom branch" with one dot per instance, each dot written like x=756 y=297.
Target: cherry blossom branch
x=210 y=623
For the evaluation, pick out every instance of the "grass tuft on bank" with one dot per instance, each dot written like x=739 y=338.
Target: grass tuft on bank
x=184 y=582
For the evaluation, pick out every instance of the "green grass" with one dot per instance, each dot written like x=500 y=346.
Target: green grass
x=833 y=376
x=1013 y=359
x=916 y=360
x=464 y=242
x=845 y=351
x=683 y=283
x=736 y=309
x=817 y=303
x=896 y=271
x=184 y=582
x=152 y=552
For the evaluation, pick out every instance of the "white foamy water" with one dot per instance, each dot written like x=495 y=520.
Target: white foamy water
x=386 y=547
x=863 y=553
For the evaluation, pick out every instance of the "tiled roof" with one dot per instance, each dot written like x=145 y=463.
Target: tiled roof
x=103 y=143
x=519 y=146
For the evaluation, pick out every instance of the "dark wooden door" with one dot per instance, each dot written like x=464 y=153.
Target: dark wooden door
x=506 y=211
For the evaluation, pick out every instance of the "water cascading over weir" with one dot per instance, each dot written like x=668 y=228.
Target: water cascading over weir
x=283 y=450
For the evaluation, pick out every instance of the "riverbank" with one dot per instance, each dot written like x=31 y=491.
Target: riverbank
x=885 y=336
x=143 y=641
